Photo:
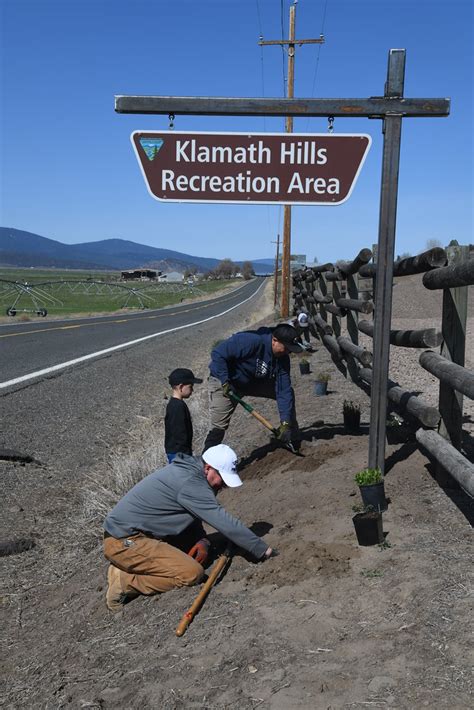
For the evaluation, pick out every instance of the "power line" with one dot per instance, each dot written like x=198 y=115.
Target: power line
x=282 y=47
x=318 y=56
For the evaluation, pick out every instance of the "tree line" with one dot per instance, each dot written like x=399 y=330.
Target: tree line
x=225 y=269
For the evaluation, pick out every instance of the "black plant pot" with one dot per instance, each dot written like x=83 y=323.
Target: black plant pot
x=399 y=434
x=374 y=496
x=368 y=527
x=351 y=421
x=320 y=388
x=304 y=368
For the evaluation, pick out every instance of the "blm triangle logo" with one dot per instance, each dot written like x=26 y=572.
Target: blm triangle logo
x=151 y=146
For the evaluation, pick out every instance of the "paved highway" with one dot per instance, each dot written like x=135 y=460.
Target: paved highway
x=32 y=350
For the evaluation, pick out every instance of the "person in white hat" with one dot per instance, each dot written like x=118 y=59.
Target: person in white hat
x=301 y=324
x=154 y=538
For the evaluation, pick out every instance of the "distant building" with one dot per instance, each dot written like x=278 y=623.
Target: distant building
x=139 y=274
x=174 y=276
x=297 y=261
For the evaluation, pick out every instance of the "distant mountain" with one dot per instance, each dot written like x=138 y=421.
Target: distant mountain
x=24 y=249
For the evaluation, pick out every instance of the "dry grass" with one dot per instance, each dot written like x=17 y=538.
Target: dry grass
x=126 y=467
x=143 y=454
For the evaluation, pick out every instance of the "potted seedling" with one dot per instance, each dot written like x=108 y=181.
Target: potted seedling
x=397 y=431
x=372 y=489
x=321 y=384
x=304 y=366
x=351 y=414
x=368 y=525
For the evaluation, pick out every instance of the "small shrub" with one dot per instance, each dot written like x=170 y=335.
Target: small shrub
x=350 y=408
x=393 y=421
x=323 y=377
x=368 y=477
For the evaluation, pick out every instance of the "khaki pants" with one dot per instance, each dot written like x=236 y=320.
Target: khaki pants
x=222 y=408
x=150 y=566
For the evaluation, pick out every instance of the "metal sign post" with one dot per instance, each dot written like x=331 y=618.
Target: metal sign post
x=392 y=128
x=392 y=107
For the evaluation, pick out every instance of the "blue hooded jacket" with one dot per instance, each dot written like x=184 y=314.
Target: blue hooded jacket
x=246 y=358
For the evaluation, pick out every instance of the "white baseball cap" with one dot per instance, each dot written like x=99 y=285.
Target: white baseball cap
x=224 y=460
x=303 y=320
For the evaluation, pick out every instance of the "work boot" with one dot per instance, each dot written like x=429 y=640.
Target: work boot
x=116 y=598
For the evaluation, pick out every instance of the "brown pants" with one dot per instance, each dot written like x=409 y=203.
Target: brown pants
x=149 y=566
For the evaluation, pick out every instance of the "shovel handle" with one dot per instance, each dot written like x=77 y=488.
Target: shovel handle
x=189 y=615
x=264 y=421
x=252 y=411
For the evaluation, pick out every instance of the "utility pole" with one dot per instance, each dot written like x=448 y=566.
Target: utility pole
x=286 y=251
x=277 y=259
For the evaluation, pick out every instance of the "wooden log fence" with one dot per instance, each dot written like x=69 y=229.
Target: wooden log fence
x=353 y=304
x=361 y=354
x=407 y=402
x=431 y=259
x=351 y=267
x=454 y=276
x=457 y=377
x=450 y=458
x=448 y=269
x=423 y=338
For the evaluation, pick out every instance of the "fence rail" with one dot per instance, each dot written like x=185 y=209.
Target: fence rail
x=339 y=293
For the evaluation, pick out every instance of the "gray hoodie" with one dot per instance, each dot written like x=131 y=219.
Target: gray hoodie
x=170 y=499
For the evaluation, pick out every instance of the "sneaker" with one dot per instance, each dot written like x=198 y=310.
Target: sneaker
x=116 y=598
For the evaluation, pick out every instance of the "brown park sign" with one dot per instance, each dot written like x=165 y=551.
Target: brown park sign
x=258 y=168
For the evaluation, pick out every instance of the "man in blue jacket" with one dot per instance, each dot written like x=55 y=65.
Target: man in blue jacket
x=254 y=363
x=154 y=539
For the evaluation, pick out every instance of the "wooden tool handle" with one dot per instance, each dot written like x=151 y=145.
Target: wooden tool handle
x=189 y=615
x=252 y=411
x=264 y=421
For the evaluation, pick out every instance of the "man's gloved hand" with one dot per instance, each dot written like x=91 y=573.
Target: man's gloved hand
x=269 y=552
x=228 y=389
x=283 y=433
x=200 y=551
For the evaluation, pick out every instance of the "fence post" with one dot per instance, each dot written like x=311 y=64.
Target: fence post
x=324 y=290
x=335 y=320
x=453 y=347
x=353 y=316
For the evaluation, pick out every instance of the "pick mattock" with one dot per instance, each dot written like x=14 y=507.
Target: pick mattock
x=248 y=407
x=218 y=568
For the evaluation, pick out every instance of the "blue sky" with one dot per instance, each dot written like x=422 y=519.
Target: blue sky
x=68 y=171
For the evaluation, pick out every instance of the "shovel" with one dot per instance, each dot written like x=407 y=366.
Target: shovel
x=217 y=570
x=248 y=407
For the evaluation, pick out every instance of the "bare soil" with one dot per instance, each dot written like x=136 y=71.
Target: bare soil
x=327 y=624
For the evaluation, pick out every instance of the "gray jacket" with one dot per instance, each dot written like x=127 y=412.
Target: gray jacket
x=172 y=498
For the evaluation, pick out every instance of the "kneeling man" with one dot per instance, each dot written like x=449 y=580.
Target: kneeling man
x=154 y=539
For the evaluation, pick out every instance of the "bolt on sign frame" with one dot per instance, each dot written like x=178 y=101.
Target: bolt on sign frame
x=391 y=108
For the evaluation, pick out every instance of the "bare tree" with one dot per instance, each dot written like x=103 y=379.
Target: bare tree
x=226 y=268
x=432 y=243
x=247 y=270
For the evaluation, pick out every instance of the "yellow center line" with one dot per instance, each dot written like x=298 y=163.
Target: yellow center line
x=123 y=320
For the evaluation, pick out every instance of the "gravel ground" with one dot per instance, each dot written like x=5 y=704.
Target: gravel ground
x=327 y=624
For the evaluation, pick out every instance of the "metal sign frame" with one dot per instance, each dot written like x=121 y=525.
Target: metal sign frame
x=391 y=108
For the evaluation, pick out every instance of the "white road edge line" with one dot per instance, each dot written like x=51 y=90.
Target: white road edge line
x=99 y=353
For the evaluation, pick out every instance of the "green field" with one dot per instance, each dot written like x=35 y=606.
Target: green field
x=67 y=292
